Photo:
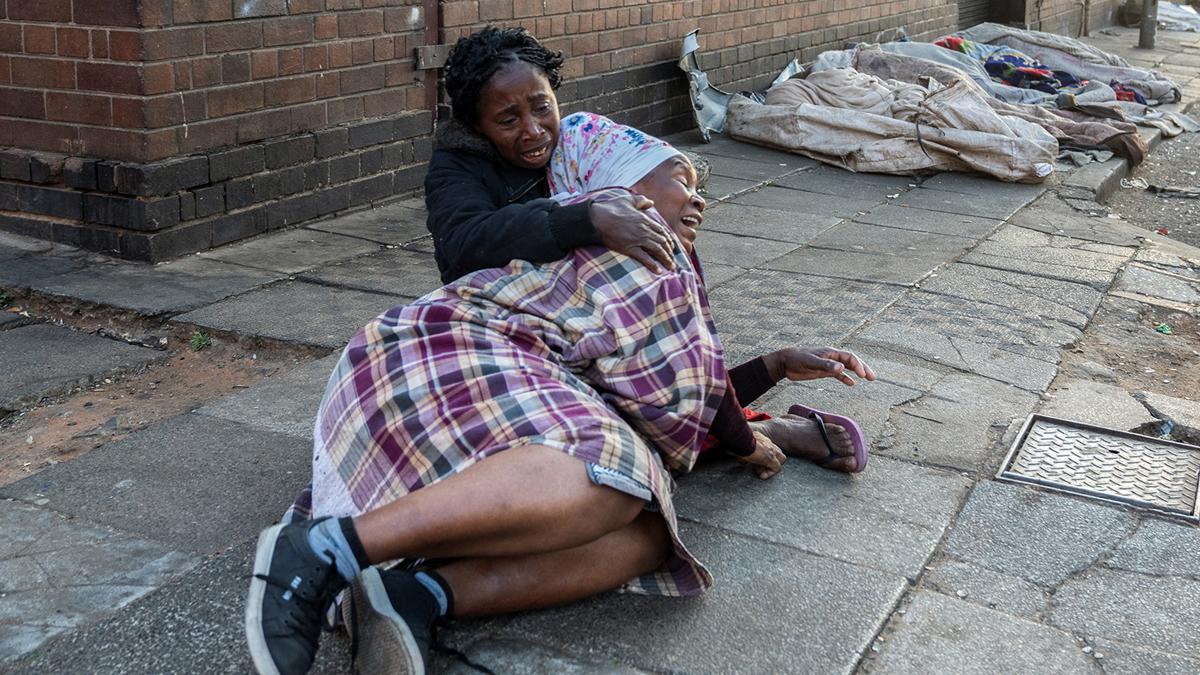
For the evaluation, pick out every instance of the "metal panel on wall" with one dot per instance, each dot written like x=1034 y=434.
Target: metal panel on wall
x=971 y=12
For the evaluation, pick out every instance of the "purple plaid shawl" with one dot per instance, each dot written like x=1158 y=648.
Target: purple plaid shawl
x=592 y=354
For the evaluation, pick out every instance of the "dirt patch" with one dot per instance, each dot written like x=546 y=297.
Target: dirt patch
x=1176 y=162
x=65 y=427
x=1123 y=339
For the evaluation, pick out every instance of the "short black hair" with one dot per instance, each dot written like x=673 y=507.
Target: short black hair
x=479 y=56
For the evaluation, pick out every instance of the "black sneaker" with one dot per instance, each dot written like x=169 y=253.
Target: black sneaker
x=291 y=588
x=390 y=617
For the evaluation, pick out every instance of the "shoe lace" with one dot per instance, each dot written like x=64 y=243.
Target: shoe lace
x=442 y=648
x=301 y=612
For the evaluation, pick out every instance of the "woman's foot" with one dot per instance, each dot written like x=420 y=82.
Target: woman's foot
x=801 y=437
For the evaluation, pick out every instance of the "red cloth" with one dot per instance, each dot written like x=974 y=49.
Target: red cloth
x=711 y=442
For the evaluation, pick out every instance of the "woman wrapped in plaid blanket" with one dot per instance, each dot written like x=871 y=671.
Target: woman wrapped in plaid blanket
x=519 y=425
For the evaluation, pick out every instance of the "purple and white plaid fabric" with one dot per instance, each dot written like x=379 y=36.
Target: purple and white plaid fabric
x=593 y=355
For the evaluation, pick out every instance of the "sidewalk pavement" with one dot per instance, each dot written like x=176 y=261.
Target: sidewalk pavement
x=977 y=302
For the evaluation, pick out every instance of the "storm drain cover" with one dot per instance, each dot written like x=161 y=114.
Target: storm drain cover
x=1106 y=464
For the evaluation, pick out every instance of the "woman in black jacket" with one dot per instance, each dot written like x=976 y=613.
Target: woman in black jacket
x=486 y=191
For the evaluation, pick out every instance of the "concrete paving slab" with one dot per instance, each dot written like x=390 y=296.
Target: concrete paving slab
x=44 y=360
x=514 y=656
x=1051 y=215
x=890 y=517
x=283 y=404
x=854 y=236
x=1160 y=548
x=1037 y=536
x=192 y=625
x=978 y=184
x=752 y=221
x=981 y=586
x=292 y=251
x=1156 y=612
x=958 y=424
x=194 y=483
x=741 y=251
x=942 y=635
x=817 y=614
x=754 y=170
x=764 y=310
x=57 y=573
x=1097 y=403
x=399 y=272
x=922 y=220
x=718 y=188
x=963 y=320
x=1023 y=250
x=993 y=204
x=393 y=224
x=724 y=146
x=152 y=290
x=831 y=180
x=896 y=334
x=1124 y=659
x=1182 y=412
x=1051 y=299
x=786 y=199
x=294 y=311
x=858 y=266
x=1148 y=282
x=716 y=274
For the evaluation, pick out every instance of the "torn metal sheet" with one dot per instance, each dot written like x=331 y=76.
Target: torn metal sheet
x=708 y=102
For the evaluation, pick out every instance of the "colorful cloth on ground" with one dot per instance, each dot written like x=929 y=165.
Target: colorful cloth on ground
x=1009 y=66
x=593 y=355
x=594 y=152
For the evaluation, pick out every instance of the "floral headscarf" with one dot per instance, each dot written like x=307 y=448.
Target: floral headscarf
x=595 y=152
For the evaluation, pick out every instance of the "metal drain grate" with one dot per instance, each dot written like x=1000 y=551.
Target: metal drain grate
x=1106 y=464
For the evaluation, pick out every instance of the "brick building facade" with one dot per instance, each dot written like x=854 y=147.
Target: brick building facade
x=154 y=128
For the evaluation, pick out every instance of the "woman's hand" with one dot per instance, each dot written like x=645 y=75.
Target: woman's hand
x=767 y=459
x=813 y=363
x=625 y=227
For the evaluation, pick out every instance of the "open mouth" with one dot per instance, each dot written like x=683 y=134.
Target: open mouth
x=692 y=221
x=536 y=155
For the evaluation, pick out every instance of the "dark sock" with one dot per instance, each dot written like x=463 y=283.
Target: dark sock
x=351 y=535
x=437 y=586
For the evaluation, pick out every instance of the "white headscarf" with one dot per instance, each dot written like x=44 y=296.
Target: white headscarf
x=594 y=153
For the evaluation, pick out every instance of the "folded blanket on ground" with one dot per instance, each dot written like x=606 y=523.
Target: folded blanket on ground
x=1112 y=131
x=864 y=123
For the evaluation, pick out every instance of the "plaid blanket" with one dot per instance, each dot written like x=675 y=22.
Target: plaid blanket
x=593 y=355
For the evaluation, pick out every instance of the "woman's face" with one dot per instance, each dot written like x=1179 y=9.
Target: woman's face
x=672 y=188
x=519 y=115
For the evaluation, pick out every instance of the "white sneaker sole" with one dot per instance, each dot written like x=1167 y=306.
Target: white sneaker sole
x=386 y=645
x=259 y=652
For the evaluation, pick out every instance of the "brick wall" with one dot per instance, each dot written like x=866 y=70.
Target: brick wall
x=621 y=54
x=153 y=128
x=1070 y=17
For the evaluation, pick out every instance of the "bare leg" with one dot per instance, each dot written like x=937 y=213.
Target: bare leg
x=523 y=501
x=489 y=586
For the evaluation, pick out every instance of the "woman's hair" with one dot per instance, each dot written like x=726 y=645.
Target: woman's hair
x=477 y=57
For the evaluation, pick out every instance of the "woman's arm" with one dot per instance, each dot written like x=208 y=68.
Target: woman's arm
x=470 y=233
x=756 y=377
x=752 y=379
